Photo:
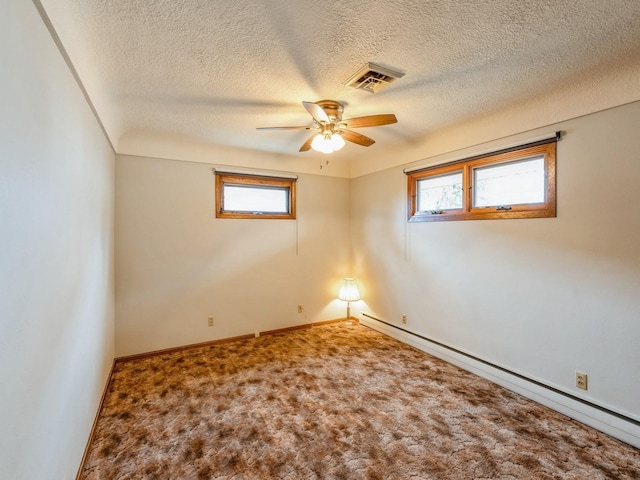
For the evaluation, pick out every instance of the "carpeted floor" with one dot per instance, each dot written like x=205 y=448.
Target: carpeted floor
x=334 y=402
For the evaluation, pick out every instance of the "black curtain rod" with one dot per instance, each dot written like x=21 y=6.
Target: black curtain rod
x=254 y=174
x=535 y=143
x=510 y=372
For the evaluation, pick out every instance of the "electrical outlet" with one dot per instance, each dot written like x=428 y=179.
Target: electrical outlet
x=211 y=321
x=581 y=380
x=300 y=309
x=404 y=319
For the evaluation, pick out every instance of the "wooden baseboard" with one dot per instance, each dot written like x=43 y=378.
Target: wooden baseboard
x=305 y=326
x=95 y=421
x=137 y=356
x=284 y=330
x=336 y=320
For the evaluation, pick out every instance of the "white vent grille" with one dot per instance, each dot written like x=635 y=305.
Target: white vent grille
x=372 y=78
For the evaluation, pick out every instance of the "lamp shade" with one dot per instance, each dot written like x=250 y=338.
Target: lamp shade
x=349 y=291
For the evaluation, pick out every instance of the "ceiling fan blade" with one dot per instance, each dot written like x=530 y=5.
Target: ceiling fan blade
x=358 y=138
x=371 y=121
x=284 y=128
x=318 y=114
x=307 y=145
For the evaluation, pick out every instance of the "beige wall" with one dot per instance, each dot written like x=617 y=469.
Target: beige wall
x=176 y=264
x=543 y=297
x=56 y=255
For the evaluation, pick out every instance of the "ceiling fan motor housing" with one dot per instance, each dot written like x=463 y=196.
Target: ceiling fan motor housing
x=332 y=108
x=327 y=117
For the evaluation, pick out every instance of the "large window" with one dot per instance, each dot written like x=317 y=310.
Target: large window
x=518 y=183
x=251 y=196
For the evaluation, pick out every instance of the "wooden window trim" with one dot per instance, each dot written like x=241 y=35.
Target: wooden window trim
x=468 y=212
x=223 y=179
x=447 y=169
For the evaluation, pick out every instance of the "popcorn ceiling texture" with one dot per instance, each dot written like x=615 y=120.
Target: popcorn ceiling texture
x=216 y=70
x=333 y=402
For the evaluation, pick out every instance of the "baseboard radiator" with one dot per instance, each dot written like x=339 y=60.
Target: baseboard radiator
x=606 y=420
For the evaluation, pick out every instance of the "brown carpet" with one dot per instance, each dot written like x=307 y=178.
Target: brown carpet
x=333 y=402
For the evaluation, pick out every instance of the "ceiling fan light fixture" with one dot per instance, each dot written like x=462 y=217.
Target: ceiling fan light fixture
x=337 y=141
x=327 y=142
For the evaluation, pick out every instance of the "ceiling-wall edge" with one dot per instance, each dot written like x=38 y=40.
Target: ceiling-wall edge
x=72 y=69
x=588 y=96
x=173 y=147
x=585 y=97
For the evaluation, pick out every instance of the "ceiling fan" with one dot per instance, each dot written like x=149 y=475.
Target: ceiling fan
x=333 y=131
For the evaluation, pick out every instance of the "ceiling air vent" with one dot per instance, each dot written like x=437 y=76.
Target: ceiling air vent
x=372 y=78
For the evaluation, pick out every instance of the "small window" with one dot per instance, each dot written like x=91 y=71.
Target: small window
x=518 y=183
x=512 y=183
x=440 y=192
x=251 y=196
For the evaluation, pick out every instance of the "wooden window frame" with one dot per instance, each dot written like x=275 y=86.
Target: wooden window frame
x=544 y=209
x=257 y=181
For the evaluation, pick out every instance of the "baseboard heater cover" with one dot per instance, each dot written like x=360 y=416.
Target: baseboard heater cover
x=609 y=421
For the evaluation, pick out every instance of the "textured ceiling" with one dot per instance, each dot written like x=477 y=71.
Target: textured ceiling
x=213 y=71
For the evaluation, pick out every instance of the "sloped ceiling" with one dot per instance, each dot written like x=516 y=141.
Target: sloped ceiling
x=213 y=71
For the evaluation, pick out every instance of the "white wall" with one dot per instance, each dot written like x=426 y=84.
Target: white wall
x=56 y=274
x=177 y=264
x=543 y=297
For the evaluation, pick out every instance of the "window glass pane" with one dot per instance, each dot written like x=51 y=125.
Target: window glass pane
x=256 y=199
x=443 y=192
x=510 y=183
